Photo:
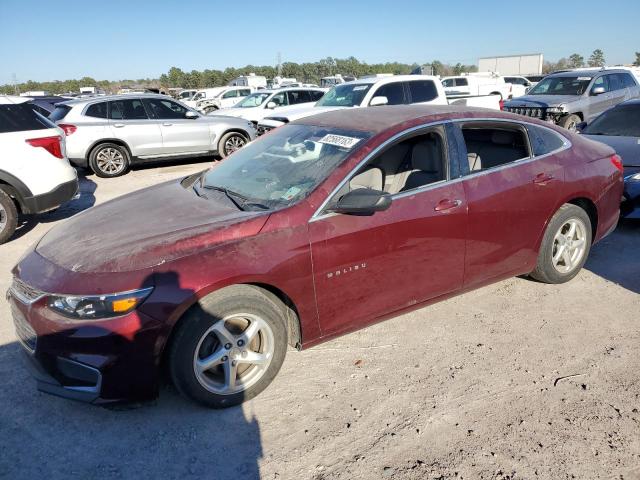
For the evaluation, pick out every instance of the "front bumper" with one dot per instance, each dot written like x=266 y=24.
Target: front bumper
x=50 y=200
x=102 y=362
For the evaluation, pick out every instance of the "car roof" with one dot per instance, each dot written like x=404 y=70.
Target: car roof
x=13 y=99
x=392 y=78
x=633 y=101
x=586 y=73
x=379 y=119
x=121 y=96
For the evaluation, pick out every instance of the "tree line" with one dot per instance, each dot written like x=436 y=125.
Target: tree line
x=310 y=72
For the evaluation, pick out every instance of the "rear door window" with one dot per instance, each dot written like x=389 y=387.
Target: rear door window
x=59 y=112
x=315 y=96
x=127 y=110
x=21 y=117
x=422 y=91
x=462 y=82
x=394 y=93
x=97 y=110
x=491 y=146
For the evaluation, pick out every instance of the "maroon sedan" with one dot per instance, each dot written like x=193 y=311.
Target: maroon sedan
x=322 y=227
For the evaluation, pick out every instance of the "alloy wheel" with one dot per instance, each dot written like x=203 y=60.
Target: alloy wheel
x=110 y=161
x=234 y=353
x=3 y=218
x=569 y=246
x=234 y=143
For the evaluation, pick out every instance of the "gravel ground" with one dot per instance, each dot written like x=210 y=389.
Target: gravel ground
x=517 y=380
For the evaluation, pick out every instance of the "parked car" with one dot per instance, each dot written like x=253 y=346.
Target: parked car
x=519 y=85
x=476 y=84
x=619 y=127
x=320 y=228
x=35 y=175
x=45 y=105
x=569 y=98
x=108 y=134
x=211 y=99
x=376 y=91
x=267 y=102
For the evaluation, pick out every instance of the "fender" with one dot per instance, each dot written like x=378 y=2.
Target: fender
x=19 y=189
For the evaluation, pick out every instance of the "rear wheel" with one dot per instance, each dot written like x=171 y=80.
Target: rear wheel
x=229 y=347
x=231 y=142
x=8 y=216
x=109 y=160
x=570 y=122
x=565 y=246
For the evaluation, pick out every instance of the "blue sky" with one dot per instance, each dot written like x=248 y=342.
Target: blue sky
x=114 y=39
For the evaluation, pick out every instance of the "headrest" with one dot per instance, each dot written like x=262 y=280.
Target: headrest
x=426 y=156
x=501 y=137
x=371 y=178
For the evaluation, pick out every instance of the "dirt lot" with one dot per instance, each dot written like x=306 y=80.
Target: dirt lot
x=517 y=380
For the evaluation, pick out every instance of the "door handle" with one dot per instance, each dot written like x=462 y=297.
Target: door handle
x=447 y=204
x=167 y=124
x=118 y=125
x=542 y=179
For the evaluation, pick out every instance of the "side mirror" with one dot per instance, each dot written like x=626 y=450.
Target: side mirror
x=376 y=101
x=363 y=201
x=597 y=91
x=191 y=115
x=581 y=126
x=271 y=105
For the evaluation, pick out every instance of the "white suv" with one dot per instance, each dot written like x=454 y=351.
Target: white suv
x=211 y=99
x=35 y=175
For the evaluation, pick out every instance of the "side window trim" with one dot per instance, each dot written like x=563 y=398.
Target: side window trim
x=321 y=212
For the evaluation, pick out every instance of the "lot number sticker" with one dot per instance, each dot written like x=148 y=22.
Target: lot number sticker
x=339 y=141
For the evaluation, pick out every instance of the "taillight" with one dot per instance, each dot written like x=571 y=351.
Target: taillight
x=617 y=162
x=68 y=128
x=50 y=144
x=501 y=104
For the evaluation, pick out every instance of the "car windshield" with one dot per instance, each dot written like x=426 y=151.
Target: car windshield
x=561 y=86
x=281 y=168
x=622 y=121
x=345 y=95
x=253 y=100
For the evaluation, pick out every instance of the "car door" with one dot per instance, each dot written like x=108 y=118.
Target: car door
x=511 y=193
x=369 y=266
x=180 y=135
x=229 y=98
x=130 y=122
x=601 y=102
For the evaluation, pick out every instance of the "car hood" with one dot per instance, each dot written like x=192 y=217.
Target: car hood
x=146 y=228
x=541 y=100
x=627 y=147
x=300 y=111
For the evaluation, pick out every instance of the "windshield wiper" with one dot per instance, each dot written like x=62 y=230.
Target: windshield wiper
x=231 y=195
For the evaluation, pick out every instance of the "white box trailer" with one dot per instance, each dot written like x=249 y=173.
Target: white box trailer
x=528 y=64
x=252 y=80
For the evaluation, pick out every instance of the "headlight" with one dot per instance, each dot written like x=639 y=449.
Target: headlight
x=558 y=109
x=94 y=307
x=635 y=177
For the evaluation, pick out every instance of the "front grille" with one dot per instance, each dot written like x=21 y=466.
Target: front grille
x=262 y=129
x=24 y=331
x=25 y=293
x=535 y=112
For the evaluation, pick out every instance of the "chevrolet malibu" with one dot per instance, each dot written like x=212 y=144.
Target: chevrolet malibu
x=321 y=227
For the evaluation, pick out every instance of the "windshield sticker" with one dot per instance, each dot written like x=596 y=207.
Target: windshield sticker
x=339 y=141
x=583 y=78
x=292 y=192
x=360 y=87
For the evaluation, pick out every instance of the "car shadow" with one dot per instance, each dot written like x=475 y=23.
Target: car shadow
x=170 y=437
x=84 y=200
x=616 y=257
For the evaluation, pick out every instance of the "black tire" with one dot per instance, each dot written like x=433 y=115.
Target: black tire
x=546 y=269
x=109 y=160
x=570 y=122
x=224 y=147
x=210 y=109
x=191 y=339
x=8 y=216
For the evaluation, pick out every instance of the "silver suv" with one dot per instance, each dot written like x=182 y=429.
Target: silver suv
x=569 y=98
x=110 y=133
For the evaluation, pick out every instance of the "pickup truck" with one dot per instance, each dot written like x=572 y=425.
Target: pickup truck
x=370 y=92
x=569 y=98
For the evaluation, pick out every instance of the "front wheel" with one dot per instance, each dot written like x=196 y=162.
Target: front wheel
x=209 y=109
x=565 y=246
x=231 y=142
x=229 y=347
x=570 y=122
